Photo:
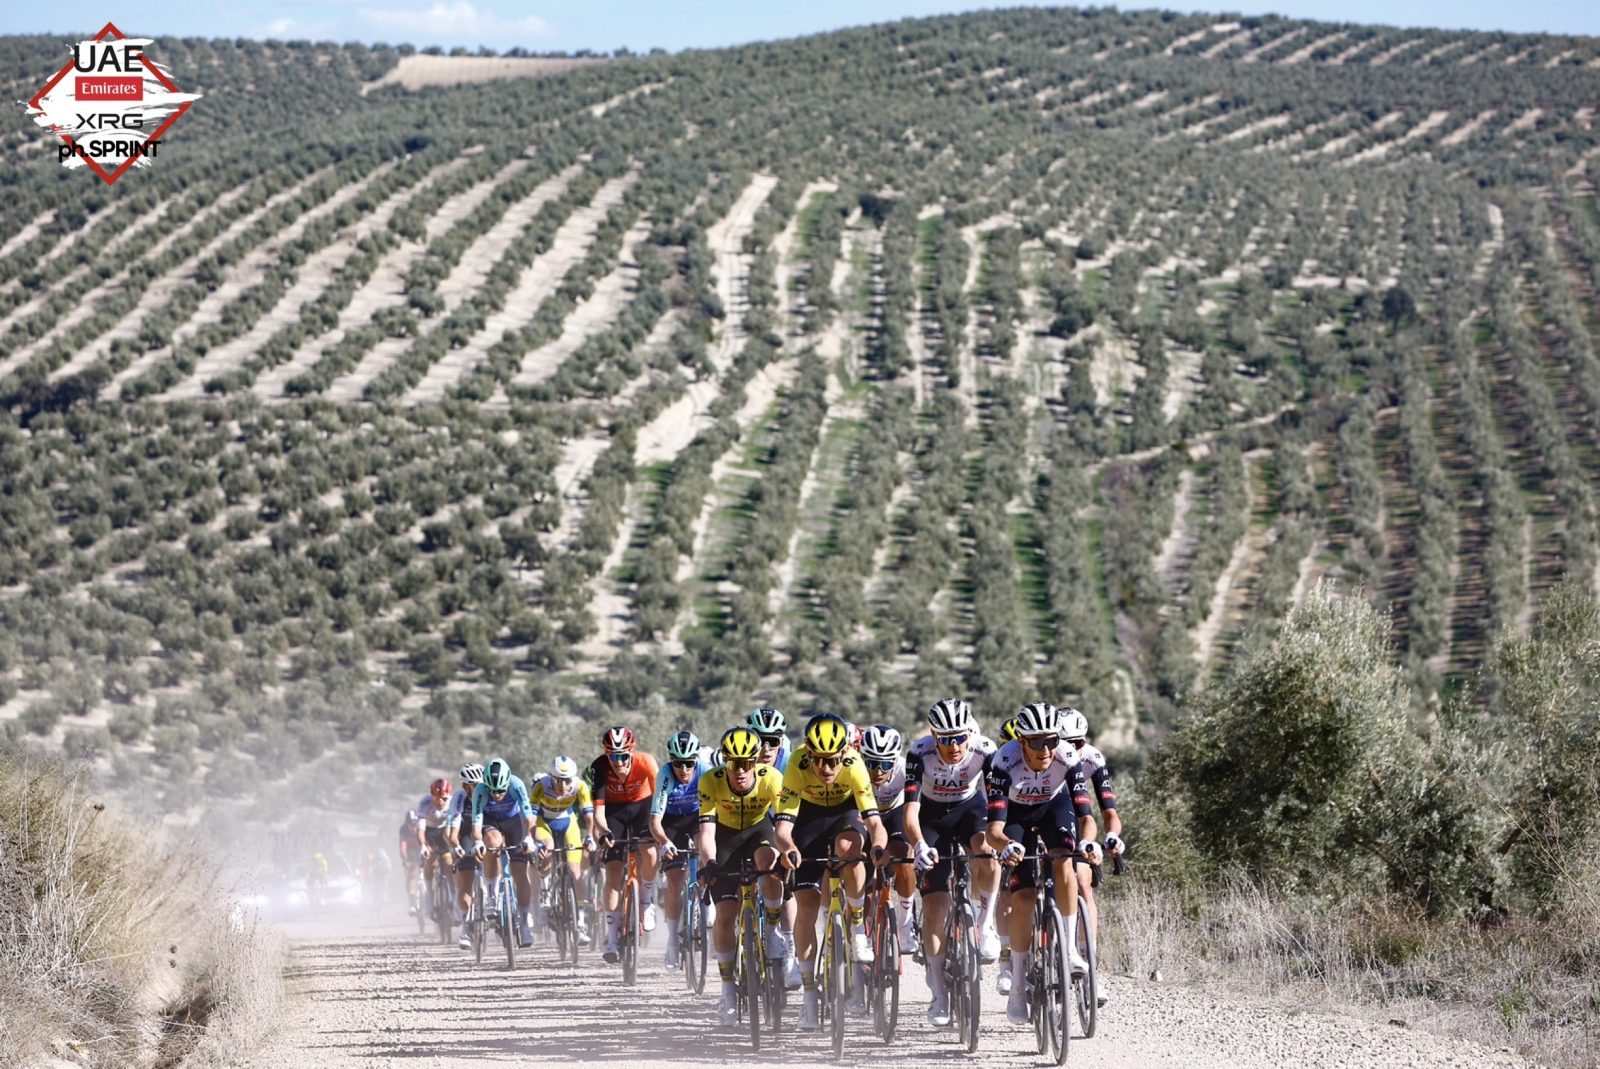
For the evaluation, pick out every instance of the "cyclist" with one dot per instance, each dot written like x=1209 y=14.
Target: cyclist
x=623 y=783
x=1037 y=784
x=558 y=797
x=1002 y=900
x=735 y=826
x=501 y=801
x=769 y=726
x=827 y=806
x=460 y=822
x=946 y=803
x=432 y=814
x=674 y=816
x=1075 y=729
x=883 y=752
x=408 y=852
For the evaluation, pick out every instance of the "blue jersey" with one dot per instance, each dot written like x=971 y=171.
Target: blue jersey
x=514 y=804
x=674 y=799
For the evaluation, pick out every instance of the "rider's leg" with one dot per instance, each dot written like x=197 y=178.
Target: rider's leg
x=771 y=886
x=1086 y=889
x=808 y=901
x=985 y=882
x=1021 y=934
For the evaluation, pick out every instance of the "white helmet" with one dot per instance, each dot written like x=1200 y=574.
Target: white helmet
x=952 y=715
x=563 y=767
x=1074 y=725
x=880 y=743
x=1038 y=718
x=472 y=773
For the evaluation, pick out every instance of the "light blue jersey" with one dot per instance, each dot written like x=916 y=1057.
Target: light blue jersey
x=514 y=804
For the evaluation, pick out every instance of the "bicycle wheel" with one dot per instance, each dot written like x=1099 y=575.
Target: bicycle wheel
x=443 y=912
x=699 y=948
x=478 y=928
x=774 y=991
x=568 y=919
x=1036 y=977
x=839 y=979
x=628 y=938
x=972 y=973
x=751 y=978
x=419 y=905
x=1057 y=992
x=1086 y=986
x=887 y=965
x=508 y=919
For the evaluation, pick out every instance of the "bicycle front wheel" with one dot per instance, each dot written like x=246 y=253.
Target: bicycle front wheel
x=568 y=920
x=475 y=921
x=630 y=934
x=886 y=1000
x=1087 y=986
x=508 y=919
x=838 y=982
x=752 y=978
x=443 y=909
x=1057 y=992
x=694 y=928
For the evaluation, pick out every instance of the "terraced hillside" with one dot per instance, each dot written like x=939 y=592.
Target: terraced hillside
x=1028 y=352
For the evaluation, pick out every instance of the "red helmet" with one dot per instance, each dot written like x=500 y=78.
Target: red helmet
x=856 y=736
x=617 y=740
x=439 y=788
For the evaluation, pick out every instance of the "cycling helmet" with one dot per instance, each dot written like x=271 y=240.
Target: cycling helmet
x=1008 y=730
x=684 y=746
x=497 y=775
x=617 y=739
x=472 y=773
x=439 y=788
x=740 y=744
x=766 y=721
x=827 y=734
x=880 y=743
x=855 y=735
x=1074 y=725
x=563 y=767
x=952 y=716
x=1038 y=718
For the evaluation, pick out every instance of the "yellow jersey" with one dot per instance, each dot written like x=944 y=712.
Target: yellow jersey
x=719 y=802
x=801 y=784
x=553 y=805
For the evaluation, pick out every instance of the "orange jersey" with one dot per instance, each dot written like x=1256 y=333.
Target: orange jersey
x=611 y=786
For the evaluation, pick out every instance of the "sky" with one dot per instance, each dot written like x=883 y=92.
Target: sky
x=605 y=25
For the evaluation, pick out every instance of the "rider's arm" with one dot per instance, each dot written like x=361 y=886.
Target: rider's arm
x=1083 y=803
x=480 y=797
x=1107 y=795
x=658 y=802
x=913 y=803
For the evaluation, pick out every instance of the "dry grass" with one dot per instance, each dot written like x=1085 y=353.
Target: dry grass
x=1533 y=986
x=420 y=72
x=116 y=949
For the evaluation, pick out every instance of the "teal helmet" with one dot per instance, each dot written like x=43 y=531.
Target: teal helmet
x=497 y=775
x=766 y=721
x=684 y=746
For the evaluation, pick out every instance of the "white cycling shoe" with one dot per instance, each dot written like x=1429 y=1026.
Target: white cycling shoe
x=465 y=942
x=672 y=956
x=988 y=945
x=1017 y=1006
x=649 y=918
x=1102 y=996
x=908 y=936
x=939 y=1011
x=728 y=1009
x=1074 y=959
x=856 y=1004
x=809 y=1020
x=861 y=948
x=791 y=976
x=1002 y=981
x=776 y=946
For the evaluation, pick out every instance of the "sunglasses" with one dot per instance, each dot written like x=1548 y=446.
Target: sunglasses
x=620 y=758
x=771 y=741
x=685 y=765
x=1042 y=742
x=497 y=794
x=880 y=766
x=1079 y=743
x=742 y=764
x=951 y=740
x=562 y=783
x=829 y=762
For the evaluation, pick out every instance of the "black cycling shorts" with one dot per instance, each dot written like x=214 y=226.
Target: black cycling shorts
x=815 y=828
x=627 y=819
x=514 y=830
x=680 y=833
x=1056 y=821
x=734 y=848
x=943 y=825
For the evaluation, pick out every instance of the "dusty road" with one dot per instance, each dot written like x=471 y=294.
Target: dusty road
x=379 y=996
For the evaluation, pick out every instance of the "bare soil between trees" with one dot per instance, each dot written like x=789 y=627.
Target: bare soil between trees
x=369 y=994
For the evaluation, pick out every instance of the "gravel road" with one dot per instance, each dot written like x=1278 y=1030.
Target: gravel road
x=378 y=995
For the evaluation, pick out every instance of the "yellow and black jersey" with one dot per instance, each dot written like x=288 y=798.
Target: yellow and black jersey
x=802 y=784
x=719 y=802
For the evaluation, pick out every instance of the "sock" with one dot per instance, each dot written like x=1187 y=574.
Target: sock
x=647 y=895
x=857 y=908
x=774 y=908
x=808 y=975
x=985 y=907
x=672 y=931
x=1019 y=970
x=905 y=909
x=613 y=925
x=936 y=974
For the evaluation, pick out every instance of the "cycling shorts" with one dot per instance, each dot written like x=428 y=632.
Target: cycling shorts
x=567 y=830
x=815 y=828
x=514 y=830
x=627 y=819
x=894 y=822
x=1056 y=821
x=434 y=837
x=734 y=848
x=680 y=832
x=943 y=825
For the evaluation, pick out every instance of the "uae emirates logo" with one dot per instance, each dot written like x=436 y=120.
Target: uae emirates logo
x=109 y=104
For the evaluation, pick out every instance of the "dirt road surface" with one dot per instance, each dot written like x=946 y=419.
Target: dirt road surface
x=381 y=997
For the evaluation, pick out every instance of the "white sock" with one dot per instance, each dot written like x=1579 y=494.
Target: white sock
x=613 y=925
x=936 y=974
x=672 y=931
x=1019 y=969
x=906 y=905
x=984 y=918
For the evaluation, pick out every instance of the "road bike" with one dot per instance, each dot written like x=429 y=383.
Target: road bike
x=836 y=975
x=1050 y=981
x=758 y=978
x=962 y=969
x=1087 y=985
x=630 y=932
x=693 y=933
x=441 y=899
x=506 y=917
x=882 y=977
x=561 y=910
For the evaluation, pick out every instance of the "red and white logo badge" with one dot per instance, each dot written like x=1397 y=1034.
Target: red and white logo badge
x=109 y=104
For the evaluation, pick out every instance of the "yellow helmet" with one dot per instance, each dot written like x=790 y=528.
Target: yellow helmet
x=1008 y=731
x=741 y=744
x=827 y=734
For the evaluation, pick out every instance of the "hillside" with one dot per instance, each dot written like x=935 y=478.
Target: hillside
x=1021 y=352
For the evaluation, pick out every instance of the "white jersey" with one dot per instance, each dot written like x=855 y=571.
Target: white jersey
x=893 y=791
x=1009 y=772
x=933 y=779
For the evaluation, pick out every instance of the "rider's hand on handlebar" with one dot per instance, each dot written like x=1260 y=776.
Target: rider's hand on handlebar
x=607 y=839
x=589 y=843
x=925 y=856
x=708 y=872
x=1114 y=844
x=1092 y=852
x=427 y=851
x=478 y=849
x=669 y=851
x=460 y=851
x=880 y=856
x=1012 y=853
x=791 y=859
